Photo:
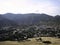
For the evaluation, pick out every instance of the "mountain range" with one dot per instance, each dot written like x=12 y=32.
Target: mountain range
x=10 y=19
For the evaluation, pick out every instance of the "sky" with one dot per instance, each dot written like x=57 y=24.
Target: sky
x=51 y=7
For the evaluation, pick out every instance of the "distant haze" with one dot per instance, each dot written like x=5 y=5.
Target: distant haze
x=51 y=7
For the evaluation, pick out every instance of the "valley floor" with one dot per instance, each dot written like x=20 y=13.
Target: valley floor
x=32 y=41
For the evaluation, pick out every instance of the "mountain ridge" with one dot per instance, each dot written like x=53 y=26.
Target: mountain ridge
x=30 y=18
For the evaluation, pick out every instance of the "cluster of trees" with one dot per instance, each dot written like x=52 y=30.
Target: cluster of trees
x=12 y=34
x=27 y=32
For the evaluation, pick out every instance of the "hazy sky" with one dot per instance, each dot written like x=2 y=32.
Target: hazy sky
x=51 y=7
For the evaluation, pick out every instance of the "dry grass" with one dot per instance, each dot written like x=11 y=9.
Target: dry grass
x=55 y=41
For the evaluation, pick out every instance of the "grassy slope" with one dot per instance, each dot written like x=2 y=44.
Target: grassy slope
x=55 y=41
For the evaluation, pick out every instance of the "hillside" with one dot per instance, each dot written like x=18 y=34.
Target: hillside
x=6 y=22
x=31 y=18
x=27 y=19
